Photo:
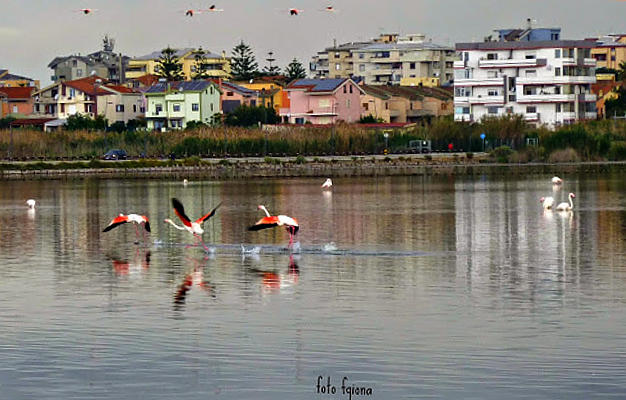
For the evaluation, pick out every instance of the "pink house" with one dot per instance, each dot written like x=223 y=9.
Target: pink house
x=322 y=101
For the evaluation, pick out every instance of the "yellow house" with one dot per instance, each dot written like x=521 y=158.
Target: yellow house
x=216 y=66
x=270 y=94
x=11 y=80
x=421 y=81
x=610 y=52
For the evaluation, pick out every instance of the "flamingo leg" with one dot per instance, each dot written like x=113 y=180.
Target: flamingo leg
x=136 y=233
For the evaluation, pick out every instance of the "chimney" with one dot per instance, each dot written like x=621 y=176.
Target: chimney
x=529 y=23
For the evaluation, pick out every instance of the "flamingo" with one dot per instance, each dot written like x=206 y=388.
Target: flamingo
x=567 y=206
x=87 y=11
x=190 y=12
x=30 y=203
x=294 y=11
x=269 y=221
x=134 y=218
x=556 y=180
x=214 y=9
x=330 y=9
x=548 y=202
x=327 y=184
x=194 y=228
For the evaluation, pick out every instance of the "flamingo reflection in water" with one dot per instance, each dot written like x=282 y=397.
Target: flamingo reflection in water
x=140 y=264
x=274 y=281
x=195 y=278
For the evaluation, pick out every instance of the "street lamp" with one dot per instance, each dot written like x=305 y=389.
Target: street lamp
x=482 y=136
x=386 y=135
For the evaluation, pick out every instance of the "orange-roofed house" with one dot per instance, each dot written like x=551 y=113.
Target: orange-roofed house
x=91 y=96
x=605 y=90
x=8 y=79
x=17 y=101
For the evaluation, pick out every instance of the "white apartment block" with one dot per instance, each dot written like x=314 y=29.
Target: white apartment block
x=548 y=82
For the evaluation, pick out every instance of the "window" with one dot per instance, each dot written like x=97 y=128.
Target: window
x=211 y=90
x=337 y=66
x=211 y=106
x=436 y=65
x=412 y=65
x=195 y=106
x=74 y=63
x=492 y=74
x=557 y=53
x=386 y=106
x=176 y=107
x=134 y=108
x=557 y=71
x=531 y=109
x=531 y=73
x=361 y=55
x=14 y=109
x=79 y=72
x=531 y=56
x=365 y=106
x=158 y=108
x=558 y=107
x=119 y=108
x=345 y=89
x=462 y=110
x=493 y=92
x=361 y=67
x=173 y=124
x=492 y=56
x=492 y=110
x=511 y=97
x=348 y=103
x=336 y=55
x=350 y=88
x=72 y=92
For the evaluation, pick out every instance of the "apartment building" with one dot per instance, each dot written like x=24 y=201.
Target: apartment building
x=214 y=65
x=335 y=62
x=610 y=51
x=546 y=81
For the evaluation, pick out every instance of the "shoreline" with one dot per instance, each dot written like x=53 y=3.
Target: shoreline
x=328 y=166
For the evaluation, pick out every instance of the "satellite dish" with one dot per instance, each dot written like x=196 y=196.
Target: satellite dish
x=93 y=73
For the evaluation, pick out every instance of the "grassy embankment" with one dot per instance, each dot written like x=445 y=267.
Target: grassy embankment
x=591 y=141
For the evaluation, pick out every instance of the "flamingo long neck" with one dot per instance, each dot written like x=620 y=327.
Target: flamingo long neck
x=181 y=228
x=266 y=212
x=571 y=203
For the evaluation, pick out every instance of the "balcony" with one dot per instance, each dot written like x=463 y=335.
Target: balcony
x=547 y=80
x=479 y=82
x=546 y=98
x=381 y=71
x=459 y=64
x=484 y=99
x=532 y=117
x=581 y=62
x=513 y=63
x=463 y=117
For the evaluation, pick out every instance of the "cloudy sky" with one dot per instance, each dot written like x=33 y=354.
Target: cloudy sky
x=33 y=32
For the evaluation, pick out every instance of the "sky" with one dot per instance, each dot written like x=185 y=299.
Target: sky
x=33 y=32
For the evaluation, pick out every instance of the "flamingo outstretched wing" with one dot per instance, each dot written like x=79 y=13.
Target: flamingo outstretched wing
x=117 y=221
x=147 y=226
x=264 y=223
x=209 y=215
x=180 y=211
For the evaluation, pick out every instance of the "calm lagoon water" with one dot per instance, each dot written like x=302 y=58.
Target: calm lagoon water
x=415 y=287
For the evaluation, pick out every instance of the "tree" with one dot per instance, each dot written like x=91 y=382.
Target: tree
x=621 y=72
x=243 y=63
x=251 y=115
x=201 y=65
x=295 y=70
x=616 y=106
x=79 y=122
x=169 y=66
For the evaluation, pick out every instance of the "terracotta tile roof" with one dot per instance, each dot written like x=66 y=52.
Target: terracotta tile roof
x=147 y=80
x=88 y=85
x=120 y=89
x=31 y=121
x=17 y=92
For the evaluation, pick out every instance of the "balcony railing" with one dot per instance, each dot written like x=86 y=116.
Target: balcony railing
x=539 y=80
x=484 y=99
x=513 y=63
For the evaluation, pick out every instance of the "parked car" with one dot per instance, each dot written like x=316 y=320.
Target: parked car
x=115 y=154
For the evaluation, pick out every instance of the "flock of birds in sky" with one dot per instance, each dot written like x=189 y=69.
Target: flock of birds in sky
x=213 y=8
x=548 y=202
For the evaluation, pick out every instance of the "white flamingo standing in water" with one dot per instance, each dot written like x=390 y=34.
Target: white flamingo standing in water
x=567 y=206
x=194 y=228
x=556 y=180
x=328 y=183
x=30 y=203
x=547 y=202
x=133 y=218
x=269 y=221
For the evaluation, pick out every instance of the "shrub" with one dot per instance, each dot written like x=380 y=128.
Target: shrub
x=502 y=153
x=469 y=155
x=617 y=152
x=300 y=160
x=567 y=155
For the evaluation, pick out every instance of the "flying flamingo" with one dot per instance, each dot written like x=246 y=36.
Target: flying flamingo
x=214 y=9
x=567 y=206
x=134 y=218
x=330 y=9
x=547 y=202
x=87 y=11
x=327 y=184
x=294 y=11
x=291 y=224
x=556 y=180
x=192 y=227
x=190 y=12
x=30 y=203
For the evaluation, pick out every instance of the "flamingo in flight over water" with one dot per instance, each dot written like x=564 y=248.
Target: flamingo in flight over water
x=193 y=227
x=134 y=218
x=269 y=221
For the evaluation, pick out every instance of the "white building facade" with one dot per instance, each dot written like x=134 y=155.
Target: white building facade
x=547 y=82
